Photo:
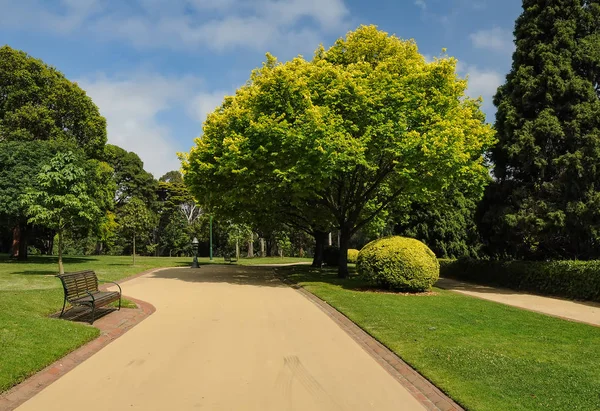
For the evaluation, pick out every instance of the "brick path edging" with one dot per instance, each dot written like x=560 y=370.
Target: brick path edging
x=111 y=327
x=431 y=397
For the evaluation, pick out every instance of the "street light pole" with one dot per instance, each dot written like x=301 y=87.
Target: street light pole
x=211 y=250
x=195 y=252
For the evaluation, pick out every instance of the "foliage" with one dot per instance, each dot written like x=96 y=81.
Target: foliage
x=352 y=255
x=136 y=222
x=63 y=199
x=484 y=355
x=174 y=237
x=331 y=256
x=446 y=224
x=20 y=163
x=546 y=201
x=572 y=279
x=338 y=139
x=130 y=177
x=38 y=103
x=398 y=263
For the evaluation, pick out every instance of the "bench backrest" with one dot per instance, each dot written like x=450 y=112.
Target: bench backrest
x=77 y=284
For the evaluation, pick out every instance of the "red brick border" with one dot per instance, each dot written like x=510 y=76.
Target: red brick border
x=422 y=389
x=111 y=327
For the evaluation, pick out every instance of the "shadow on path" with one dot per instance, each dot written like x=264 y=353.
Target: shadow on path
x=228 y=274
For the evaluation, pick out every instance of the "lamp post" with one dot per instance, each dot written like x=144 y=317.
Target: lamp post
x=211 y=257
x=195 y=252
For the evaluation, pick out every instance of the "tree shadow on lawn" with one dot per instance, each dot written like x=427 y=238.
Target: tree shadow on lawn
x=219 y=273
x=299 y=274
x=45 y=259
x=36 y=272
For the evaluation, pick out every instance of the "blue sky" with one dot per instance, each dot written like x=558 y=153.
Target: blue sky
x=155 y=68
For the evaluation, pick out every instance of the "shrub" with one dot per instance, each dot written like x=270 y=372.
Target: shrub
x=572 y=279
x=399 y=263
x=352 y=255
x=331 y=256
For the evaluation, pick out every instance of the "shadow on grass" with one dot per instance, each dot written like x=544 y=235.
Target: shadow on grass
x=219 y=273
x=37 y=272
x=300 y=274
x=84 y=314
x=45 y=259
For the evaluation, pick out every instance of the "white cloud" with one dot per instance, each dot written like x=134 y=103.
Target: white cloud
x=205 y=103
x=495 y=39
x=481 y=83
x=214 y=24
x=421 y=4
x=131 y=105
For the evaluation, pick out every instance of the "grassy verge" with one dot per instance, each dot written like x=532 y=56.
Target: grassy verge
x=485 y=355
x=29 y=293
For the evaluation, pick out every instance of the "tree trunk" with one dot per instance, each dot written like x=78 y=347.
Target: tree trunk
x=320 y=240
x=134 y=248
x=237 y=249
x=330 y=243
x=344 y=241
x=23 y=242
x=269 y=247
x=262 y=247
x=16 y=241
x=99 y=246
x=251 y=246
x=61 y=269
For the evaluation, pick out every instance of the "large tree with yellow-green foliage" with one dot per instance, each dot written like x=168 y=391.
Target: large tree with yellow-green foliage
x=364 y=125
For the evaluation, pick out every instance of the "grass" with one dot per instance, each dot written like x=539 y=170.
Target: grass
x=29 y=293
x=484 y=355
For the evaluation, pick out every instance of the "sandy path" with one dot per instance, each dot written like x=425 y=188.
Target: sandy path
x=226 y=338
x=571 y=310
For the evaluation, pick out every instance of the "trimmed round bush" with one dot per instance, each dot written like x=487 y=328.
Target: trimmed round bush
x=399 y=263
x=352 y=255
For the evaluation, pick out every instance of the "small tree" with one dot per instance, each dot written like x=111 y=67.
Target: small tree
x=61 y=200
x=136 y=219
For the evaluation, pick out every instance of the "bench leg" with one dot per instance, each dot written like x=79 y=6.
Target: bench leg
x=63 y=309
x=93 y=313
x=119 y=303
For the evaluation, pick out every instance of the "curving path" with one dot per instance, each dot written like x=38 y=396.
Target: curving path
x=580 y=311
x=226 y=338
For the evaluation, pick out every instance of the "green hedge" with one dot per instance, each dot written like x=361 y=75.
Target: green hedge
x=578 y=280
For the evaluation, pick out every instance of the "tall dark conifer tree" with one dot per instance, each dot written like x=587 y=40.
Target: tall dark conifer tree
x=545 y=202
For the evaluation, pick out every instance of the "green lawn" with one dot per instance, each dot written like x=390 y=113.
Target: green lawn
x=485 y=355
x=29 y=293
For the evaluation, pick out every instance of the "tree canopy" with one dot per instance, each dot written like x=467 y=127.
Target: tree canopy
x=62 y=198
x=546 y=201
x=364 y=125
x=38 y=103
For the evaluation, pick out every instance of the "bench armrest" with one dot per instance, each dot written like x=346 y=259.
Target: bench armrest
x=111 y=282
x=91 y=295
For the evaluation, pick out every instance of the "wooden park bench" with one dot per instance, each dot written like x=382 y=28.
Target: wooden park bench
x=81 y=288
x=229 y=259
